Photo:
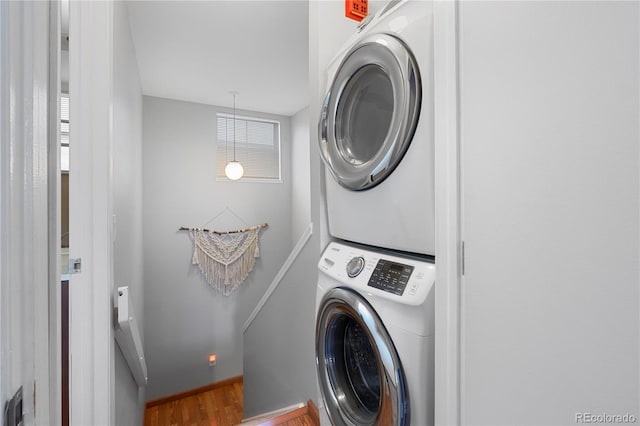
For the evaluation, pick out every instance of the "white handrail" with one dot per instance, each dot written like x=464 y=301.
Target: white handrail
x=283 y=270
x=128 y=336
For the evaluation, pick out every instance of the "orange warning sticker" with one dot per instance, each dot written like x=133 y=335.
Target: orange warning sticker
x=356 y=9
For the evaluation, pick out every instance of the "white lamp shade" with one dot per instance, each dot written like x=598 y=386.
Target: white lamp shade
x=234 y=170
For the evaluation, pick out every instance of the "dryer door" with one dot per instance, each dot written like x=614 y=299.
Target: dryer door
x=359 y=371
x=370 y=113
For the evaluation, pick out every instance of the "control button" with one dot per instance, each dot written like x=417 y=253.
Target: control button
x=355 y=266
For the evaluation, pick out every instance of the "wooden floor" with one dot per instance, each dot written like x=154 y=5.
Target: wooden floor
x=216 y=405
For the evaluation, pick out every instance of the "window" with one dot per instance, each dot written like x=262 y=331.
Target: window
x=64 y=132
x=257 y=147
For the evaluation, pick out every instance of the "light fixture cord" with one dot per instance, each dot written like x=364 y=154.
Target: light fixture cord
x=226 y=139
x=234 y=126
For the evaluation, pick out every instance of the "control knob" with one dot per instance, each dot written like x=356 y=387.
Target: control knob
x=355 y=266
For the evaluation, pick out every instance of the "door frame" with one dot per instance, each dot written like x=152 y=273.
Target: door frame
x=53 y=163
x=449 y=247
x=24 y=223
x=91 y=212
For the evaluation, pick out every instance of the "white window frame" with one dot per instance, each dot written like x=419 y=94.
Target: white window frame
x=278 y=132
x=64 y=157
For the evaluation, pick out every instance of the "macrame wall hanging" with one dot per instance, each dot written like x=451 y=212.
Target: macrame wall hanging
x=225 y=258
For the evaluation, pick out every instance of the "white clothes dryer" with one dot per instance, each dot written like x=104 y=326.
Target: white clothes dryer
x=375 y=337
x=376 y=132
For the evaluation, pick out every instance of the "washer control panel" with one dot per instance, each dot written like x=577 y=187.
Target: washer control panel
x=355 y=266
x=390 y=276
x=404 y=279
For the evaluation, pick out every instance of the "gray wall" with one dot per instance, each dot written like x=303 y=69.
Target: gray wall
x=275 y=378
x=550 y=146
x=184 y=318
x=279 y=368
x=279 y=355
x=300 y=172
x=127 y=204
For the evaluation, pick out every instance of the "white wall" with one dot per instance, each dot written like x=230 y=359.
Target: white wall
x=184 y=318
x=127 y=203
x=550 y=147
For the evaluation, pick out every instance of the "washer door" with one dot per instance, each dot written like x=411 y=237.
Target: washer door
x=370 y=113
x=359 y=371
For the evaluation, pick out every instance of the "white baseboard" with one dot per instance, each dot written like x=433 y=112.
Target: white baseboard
x=256 y=420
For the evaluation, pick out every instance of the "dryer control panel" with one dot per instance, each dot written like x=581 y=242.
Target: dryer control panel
x=403 y=279
x=391 y=276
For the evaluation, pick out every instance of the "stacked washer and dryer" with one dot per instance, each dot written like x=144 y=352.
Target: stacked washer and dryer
x=375 y=295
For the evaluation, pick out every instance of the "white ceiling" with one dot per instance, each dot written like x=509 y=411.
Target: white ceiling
x=200 y=51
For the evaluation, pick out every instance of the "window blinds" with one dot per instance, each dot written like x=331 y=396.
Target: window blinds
x=257 y=146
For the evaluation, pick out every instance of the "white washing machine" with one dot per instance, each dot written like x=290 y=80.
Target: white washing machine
x=376 y=132
x=375 y=337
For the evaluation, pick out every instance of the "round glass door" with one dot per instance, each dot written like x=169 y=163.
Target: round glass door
x=359 y=371
x=370 y=113
x=364 y=115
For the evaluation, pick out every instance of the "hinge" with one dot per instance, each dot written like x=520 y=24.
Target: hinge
x=75 y=266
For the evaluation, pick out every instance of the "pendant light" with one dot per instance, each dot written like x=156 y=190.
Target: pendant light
x=234 y=169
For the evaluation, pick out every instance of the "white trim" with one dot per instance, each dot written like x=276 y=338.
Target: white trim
x=55 y=332
x=280 y=275
x=39 y=223
x=4 y=199
x=263 y=418
x=91 y=213
x=248 y=118
x=248 y=180
x=447 y=211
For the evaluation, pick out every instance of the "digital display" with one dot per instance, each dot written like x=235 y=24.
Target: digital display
x=396 y=267
x=390 y=276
